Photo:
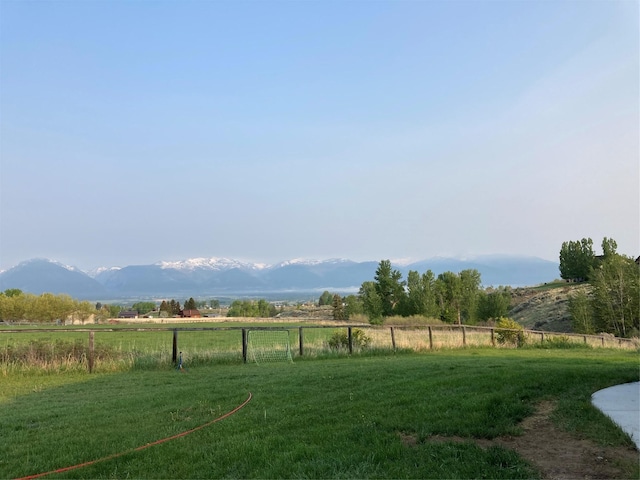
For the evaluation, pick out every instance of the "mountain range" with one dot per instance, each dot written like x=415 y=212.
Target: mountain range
x=206 y=277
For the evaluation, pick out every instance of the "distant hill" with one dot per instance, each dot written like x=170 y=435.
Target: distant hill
x=226 y=277
x=39 y=276
x=496 y=270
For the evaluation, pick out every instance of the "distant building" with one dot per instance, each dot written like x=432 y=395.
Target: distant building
x=190 y=314
x=128 y=314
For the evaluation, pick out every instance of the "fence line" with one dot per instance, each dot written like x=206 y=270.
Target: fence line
x=427 y=337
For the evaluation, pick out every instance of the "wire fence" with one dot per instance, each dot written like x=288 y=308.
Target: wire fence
x=123 y=347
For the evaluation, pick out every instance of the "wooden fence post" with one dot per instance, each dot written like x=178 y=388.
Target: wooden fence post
x=493 y=337
x=301 y=340
x=244 y=345
x=91 y=351
x=602 y=340
x=393 y=339
x=430 y=338
x=541 y=337
x=174 y=352
x=464 y=336
x=350 y=336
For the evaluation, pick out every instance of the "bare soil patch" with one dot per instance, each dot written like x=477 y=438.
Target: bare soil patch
x=557 y=454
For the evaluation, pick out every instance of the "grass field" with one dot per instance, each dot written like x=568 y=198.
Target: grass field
x=346 y=417
x=148 y=346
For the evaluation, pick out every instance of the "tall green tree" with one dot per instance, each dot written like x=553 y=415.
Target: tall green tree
x=325 y=299
x=389 y=286
x=430 y=305
x=609 y=247
x=190 y=304
x=449 y=291
x=577 y=258
x=174 y=307
x=353 y=305
x=616 y=296
x=371 y=301
x=470 y=289
x=581 y=312
x=415 y=297
x=494 y=304
x=339 y=312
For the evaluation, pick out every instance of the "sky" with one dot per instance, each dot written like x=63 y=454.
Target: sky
x=133 y=132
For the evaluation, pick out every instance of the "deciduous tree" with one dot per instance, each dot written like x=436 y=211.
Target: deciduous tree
x=581 y=312
x=494 y=304
x=371 y=301
x=325 y=299
x=577 y=259
x=449 y=290
x=616 y=296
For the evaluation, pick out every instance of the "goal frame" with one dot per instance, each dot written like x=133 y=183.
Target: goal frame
x=267 y=345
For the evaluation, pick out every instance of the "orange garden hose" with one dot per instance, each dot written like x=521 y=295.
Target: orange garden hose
x=142 y=447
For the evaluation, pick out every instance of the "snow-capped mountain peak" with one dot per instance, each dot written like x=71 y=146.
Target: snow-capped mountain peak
x=213 y=263
x=97 y=271
x=311 y=262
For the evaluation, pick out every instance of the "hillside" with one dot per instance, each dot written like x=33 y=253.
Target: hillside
x=544 y=308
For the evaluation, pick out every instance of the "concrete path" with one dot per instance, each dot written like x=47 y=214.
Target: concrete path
x=622 y=405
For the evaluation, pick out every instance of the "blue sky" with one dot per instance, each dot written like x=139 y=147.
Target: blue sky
x=139 y=131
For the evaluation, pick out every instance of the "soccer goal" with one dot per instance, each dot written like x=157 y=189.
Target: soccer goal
x=268 y=346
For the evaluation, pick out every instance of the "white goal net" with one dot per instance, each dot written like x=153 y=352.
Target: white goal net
x=268 y=346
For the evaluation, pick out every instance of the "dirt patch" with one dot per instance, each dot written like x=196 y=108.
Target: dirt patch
x=556 y=453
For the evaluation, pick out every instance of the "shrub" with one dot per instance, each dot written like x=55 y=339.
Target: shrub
x=509 y=331
x=561 y=341
x=340 y=339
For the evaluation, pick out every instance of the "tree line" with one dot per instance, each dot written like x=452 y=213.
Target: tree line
x=252 y=308
x=450 y=297
x=17 y=306
x=578 y=260
x=610 y=301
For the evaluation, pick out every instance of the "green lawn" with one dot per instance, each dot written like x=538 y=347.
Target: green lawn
x=315 y=418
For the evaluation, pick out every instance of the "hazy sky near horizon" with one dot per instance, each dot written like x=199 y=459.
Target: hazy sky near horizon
x=139 y=131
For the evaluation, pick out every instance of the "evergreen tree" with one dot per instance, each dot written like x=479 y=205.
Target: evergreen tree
x=389 y=286
x=338 y=308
